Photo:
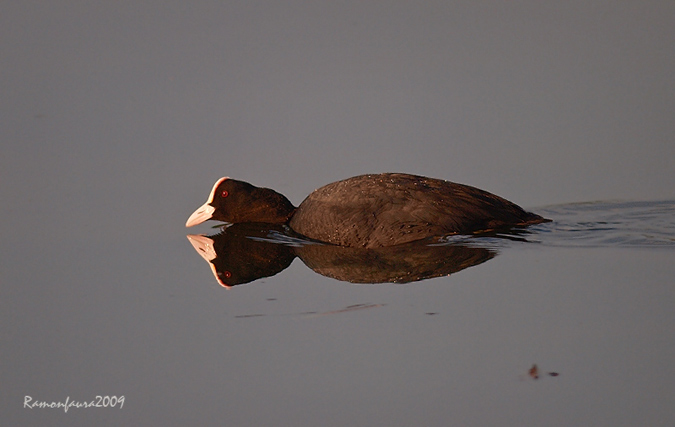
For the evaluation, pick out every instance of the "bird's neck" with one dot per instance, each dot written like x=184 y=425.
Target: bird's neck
x=269 y=207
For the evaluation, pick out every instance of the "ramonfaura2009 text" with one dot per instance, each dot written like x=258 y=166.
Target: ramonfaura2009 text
x=98 y=402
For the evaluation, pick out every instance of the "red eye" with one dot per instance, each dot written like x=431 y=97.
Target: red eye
x=224 y=193
x=226 y=274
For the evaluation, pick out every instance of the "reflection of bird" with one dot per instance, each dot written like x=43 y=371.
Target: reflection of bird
x=244 y=252
x=368 y=210
x=239 y=253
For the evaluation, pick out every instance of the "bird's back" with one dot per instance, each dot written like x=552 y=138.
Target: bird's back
x=390 y=209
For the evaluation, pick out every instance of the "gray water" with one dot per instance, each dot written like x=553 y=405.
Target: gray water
x=116 y=119
x=589 y=297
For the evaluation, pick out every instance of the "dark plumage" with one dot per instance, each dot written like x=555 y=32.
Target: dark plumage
x=368 y=210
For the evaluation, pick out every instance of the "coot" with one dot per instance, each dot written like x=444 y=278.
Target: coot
x=368 y=210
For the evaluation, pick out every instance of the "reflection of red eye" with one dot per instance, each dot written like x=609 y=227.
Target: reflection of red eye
x=224 y=193
x=226 y=274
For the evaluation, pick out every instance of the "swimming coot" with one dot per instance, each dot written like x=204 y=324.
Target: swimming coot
x=368 y=210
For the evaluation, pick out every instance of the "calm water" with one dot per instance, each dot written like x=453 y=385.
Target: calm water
x=589 y=297
x=116 y=118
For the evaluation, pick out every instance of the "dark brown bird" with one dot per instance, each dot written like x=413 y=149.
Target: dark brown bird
x=368 y=210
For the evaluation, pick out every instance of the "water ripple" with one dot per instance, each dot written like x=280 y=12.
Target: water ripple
x=608 y=224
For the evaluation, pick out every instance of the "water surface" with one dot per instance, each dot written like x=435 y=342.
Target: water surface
x=117 y=117
x=589 y=297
